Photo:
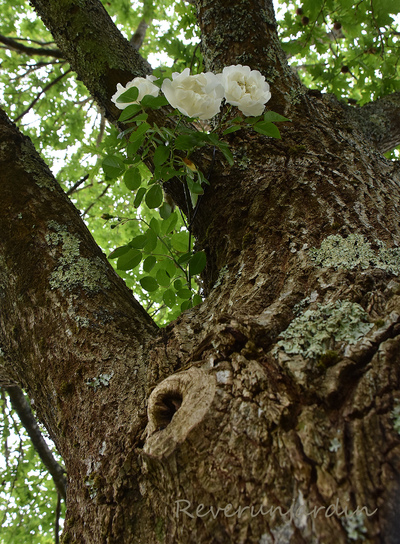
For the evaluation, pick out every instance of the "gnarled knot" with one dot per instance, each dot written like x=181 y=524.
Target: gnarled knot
x=176 y=406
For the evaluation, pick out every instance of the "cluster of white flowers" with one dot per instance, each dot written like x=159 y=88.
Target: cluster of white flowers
x=201 y=95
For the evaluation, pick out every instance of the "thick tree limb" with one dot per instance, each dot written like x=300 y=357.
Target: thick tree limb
x=72 y=287
x=21 y=406
x=380 y=121
x=94 y=47
x=237 y=32
x=31 y=51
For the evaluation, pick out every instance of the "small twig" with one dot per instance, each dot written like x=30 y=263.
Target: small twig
x=193 y=57
x=76 y=185
x=96 y=199
x=36 y=66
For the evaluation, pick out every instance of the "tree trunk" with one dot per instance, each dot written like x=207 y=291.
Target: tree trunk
x=268 y=414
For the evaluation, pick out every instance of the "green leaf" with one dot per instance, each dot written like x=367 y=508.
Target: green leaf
x=185 y=258
x=194 y=187
x=149 y=262
x=162 y=277
x=154 y=102
x=180 y=241
x=184 y=293
x=113 y=166
x=139 y=132
x=139 y=196
x=267 y=129
x=169 y=298
x=151 y=241
x=149 y=284
x=232 y=129
x=128 y=112
x=154 y=196
x=226 y=152
x=130 y=95
x=139 y=241
x=272 y=117
x=211 y=138
x=139 y=118
x=178 y=284
x=169 y=224
x=129 y=260
x=134 y=146
x=165 y=210
x=119 y=251
x=132 y=179
x=186 y=305
x=155 y=225
x=169 y=266
x=161 y=154
x=197 y=263
x=197 y=300
x=188 y=141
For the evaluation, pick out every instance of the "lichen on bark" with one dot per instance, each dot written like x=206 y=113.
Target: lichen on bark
x=73 y=270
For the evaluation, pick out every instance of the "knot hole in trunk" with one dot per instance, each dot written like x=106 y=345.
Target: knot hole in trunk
x=176 y=406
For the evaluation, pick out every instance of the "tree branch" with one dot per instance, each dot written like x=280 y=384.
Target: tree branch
x=46 y=88
x=94 y=47
x=76 y=185
x=26 y=50
x=21 y=406
x=237 y=32
x=139 y=35
x=378 y=121
x=95 y=200
x=381 y=120
x=54 y=279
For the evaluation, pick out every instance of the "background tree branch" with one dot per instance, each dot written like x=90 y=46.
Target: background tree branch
x=23 y=409
x=39 y=94
x=15 y=45
x=139 y=34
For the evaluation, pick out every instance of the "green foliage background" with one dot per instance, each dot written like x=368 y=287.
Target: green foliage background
x=337 y=46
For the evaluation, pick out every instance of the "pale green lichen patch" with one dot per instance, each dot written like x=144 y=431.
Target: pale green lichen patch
x=396 y=417
x=354 y=526
x=103 y=380
x=355 y=252
x=74 y=271
x=335 y=445
x=315 y=332
x=34 y=166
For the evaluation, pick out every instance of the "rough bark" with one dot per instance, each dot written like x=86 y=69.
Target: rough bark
x=380 y=121
x=241 y=408
x=71 y=334
x=100 y=58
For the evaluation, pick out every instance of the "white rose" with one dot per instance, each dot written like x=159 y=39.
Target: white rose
x=144 y=85
x=245 y=88
x=195 y=96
